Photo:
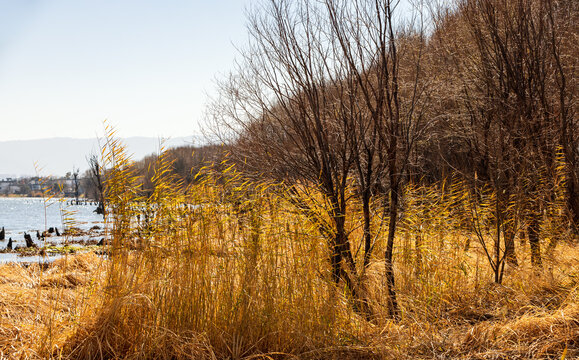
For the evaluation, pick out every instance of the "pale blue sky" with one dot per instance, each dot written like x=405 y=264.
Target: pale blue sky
x=145 y=65
x=66 y=65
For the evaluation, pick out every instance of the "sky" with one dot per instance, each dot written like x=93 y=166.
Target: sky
x=146 y=66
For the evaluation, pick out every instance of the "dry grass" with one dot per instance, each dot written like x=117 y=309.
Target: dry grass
x=40 y=308
x=531 y=316
x=242 y=276
x=66 y=311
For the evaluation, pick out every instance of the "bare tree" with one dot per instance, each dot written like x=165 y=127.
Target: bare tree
x=514 y=108
x=282 y=109
x=97 y=180
x=75 y=178
x=317 y=103
x=563 y=23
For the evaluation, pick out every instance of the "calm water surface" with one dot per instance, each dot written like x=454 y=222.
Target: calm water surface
x=19 y=215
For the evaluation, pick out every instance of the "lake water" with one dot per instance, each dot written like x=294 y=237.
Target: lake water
x=20 y=215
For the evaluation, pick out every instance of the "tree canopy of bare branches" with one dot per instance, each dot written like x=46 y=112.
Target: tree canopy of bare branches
x=319 y=102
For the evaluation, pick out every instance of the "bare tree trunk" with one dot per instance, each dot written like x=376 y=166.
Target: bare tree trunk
x=394 y=312
x=533 y=234
x=499 y=221
x=367 y=229
x=509 y=235
x=573 y=200
x=336 y=261
x=345 y=265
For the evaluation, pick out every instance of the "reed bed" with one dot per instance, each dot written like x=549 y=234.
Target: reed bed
x=227 y=269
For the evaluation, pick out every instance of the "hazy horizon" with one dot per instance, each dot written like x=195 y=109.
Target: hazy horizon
x=56 y=156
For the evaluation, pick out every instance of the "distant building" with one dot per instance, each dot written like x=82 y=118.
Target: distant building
x=9 y=186
x=34 y=186
x=5 y=186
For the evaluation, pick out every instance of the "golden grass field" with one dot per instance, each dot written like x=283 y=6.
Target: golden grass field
x=243 y=275
x=220 y=286
x=66 y=311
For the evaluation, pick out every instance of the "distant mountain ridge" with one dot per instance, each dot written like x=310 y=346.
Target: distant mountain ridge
x=57 y=156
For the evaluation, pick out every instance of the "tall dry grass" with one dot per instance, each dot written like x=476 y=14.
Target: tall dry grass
x=220 y=269
x=226 y=269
